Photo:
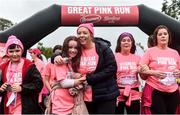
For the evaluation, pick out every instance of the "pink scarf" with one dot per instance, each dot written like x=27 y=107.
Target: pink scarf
x=14 y=75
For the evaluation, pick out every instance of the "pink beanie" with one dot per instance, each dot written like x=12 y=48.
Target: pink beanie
x=13 y=40
x=89 y=26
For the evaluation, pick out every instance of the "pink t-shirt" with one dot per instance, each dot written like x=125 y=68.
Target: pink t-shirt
x=62 y=101
x=166 y=60
x=49 y=70
x=127 y=74
x=89 y=61
x=40 y=65
x=127 y=70
x=14 y=76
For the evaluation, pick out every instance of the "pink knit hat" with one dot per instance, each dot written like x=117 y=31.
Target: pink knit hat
x=89 y=26
x=13 y=40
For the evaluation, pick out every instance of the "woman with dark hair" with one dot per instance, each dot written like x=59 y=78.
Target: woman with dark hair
x=99 y=66
x=127 y=75
x=67 y=76
x=160 y=65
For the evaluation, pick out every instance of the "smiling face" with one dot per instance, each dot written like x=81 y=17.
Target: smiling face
x=72 y=50
x=14 y=52
x=162 y=37
x=84 y=36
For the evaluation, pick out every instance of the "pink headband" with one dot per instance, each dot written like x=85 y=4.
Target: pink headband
x=89 y=26
x=13 y=40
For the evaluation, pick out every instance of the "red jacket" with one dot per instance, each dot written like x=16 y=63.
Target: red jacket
x=31 y=86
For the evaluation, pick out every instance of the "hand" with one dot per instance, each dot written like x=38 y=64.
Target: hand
x=82 y=78
x=16 y=88
x=79 y=80
x=4 y=87
x=77 y=75
x=143 y=68
x=58 y=60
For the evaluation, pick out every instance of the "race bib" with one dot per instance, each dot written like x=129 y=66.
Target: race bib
x=169 y=79
x=128 y=80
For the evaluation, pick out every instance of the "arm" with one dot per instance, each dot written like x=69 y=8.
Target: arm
x=142 y=68
x=69 y=83
x=60 y=60
x=46 y=82
x=145 y=71
x=107 y=69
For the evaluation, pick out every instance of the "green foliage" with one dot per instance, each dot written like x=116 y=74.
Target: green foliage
x=47 y=51
x=171 y=8
x=5 y=24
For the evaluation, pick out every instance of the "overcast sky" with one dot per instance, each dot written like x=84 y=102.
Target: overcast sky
x=19 y=10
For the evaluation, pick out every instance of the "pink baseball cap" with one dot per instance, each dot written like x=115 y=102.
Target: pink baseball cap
x=35 y=51
x=89 y=26
x=13 y=40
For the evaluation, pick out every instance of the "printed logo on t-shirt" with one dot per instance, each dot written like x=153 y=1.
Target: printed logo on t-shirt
x=127 y=66
x=89 y=62
x=166 y=61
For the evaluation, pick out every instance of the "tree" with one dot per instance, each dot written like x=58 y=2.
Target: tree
x=5 y=24
x=171 y=8
x=47 y=51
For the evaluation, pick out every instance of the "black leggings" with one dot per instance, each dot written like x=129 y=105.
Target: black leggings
x=164 y=103
x=133 y=109
x=105 y=107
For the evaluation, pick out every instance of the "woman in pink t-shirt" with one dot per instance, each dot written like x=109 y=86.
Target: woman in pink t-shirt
x=127 y=75
x=68 y=77
x=49 y=71
x=99 y=65
x=160 y=67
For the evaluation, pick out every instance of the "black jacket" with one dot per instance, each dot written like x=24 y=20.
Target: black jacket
x=31 y=86
x=103 y=79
